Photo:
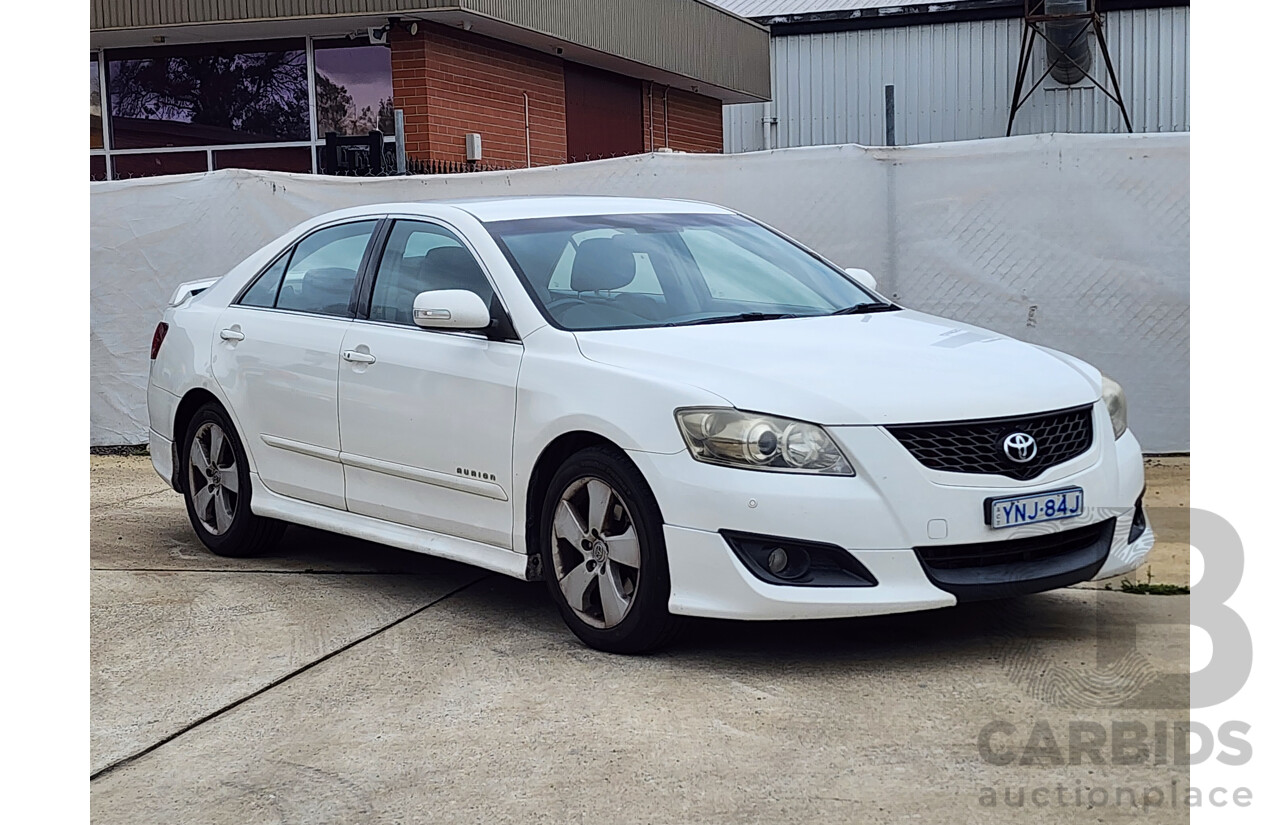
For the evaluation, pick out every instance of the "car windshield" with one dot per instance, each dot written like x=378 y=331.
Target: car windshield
x=648 y=270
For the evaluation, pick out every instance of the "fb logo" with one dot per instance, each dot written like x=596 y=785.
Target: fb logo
x=1019 y=447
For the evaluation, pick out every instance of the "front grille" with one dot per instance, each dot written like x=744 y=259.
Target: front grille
x=978 y=446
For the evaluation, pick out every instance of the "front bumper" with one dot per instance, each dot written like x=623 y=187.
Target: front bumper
x=883 y=516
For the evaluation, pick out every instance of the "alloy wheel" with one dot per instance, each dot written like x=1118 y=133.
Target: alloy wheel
x=213 y=480
x=596 y=552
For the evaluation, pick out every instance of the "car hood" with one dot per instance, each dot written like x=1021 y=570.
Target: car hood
x=881 y=368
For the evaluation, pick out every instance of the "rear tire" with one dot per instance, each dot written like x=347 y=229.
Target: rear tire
x=603 y=554
x=215 y=476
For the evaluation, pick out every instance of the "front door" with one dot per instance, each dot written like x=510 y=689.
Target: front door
x=276 y=355
x=427 y=415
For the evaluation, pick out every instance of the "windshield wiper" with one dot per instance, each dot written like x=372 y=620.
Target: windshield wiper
x=729 y=319
x=863 y=309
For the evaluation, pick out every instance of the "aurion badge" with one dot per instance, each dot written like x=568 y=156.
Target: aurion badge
x=1019 y=447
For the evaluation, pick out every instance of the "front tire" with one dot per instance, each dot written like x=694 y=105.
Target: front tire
x=603 y=553
x=216 y=488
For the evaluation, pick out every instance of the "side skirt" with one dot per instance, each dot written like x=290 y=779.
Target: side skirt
x=499 y=560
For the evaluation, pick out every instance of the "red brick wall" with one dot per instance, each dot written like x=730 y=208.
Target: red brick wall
x=696 y=123
x=687 y=122
x=409 y=90
x=451 y=83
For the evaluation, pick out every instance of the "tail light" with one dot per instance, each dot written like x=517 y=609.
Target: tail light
x=162 y=329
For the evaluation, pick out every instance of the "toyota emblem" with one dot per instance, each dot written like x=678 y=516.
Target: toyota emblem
x=1019 y=447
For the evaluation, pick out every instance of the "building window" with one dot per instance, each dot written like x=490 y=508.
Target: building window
x=208 y=94
x=148 y=164
x=197 y=108
x=353 y=88
x=288 y=159
x=95 y=105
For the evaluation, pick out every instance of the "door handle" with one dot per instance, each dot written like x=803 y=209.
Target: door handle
x=231 y=335
x=357 y=357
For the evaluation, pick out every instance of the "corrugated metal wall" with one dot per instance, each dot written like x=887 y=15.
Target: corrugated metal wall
x=954 y=81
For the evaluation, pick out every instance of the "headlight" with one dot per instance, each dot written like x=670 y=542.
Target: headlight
x=760 y=442
x=1117 y=406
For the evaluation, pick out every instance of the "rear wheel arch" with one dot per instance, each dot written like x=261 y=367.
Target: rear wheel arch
x=190 y=404
x=217 y=487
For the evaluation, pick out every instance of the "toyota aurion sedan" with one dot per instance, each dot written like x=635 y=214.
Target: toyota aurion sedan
x=661 y=408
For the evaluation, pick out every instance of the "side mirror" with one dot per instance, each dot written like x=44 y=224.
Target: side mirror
x=863 y=277
x=450 y=309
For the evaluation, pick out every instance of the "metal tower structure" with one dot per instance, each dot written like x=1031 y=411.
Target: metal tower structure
x=1064 y=25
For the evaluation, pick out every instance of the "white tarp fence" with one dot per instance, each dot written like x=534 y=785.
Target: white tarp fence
x=1077 y=242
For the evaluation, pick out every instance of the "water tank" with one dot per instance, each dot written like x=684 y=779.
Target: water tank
x=1069 y=52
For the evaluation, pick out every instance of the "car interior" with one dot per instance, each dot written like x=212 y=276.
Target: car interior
x=401 y=279
x=324 y=290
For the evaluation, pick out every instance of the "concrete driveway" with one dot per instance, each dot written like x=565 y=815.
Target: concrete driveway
x=336 y=681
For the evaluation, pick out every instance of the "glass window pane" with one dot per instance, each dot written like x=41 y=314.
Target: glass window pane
x=290 y=159
x=95 y=105
x=97 y=167
x=263 y=292
x=646 y=270
x=159 y=163
x=253 y=92
x=735 y=273
x=322 y=272
x=353 y=89
x=645 y=280
x=421 y=257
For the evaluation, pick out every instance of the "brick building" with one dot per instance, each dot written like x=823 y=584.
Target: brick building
x=195 y=85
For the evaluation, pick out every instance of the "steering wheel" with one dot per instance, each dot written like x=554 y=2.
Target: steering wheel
x=552 y=306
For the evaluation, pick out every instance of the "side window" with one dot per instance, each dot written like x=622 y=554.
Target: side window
x=263 y=292
x=322 y=271
x=422 y=257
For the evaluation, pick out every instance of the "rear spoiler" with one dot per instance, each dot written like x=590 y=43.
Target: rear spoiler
x=185 y=291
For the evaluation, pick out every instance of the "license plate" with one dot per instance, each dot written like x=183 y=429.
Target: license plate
x=1018 y=510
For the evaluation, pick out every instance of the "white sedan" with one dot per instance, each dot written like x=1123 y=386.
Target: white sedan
x=662 y=408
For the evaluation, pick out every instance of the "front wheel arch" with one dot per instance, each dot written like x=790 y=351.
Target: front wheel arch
x=645 y=622
x=557 y=451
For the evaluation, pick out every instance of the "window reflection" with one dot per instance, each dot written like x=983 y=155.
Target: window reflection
x=95 y=106
x=353 y=89
x=288 y=159
x=159 y=163
x=208 y=94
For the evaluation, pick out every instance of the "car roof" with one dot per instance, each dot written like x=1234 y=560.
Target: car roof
x=537 y=206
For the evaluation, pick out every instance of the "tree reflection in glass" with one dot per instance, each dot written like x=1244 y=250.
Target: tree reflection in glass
x=186 y=96
x=353 y=89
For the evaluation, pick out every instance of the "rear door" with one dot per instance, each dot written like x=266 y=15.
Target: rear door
x=276 y=354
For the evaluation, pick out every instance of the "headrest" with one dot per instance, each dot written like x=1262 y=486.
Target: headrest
x=602 y=264
x=451 y=267
x=330 y=277
x=325 y=289
x=453 y=258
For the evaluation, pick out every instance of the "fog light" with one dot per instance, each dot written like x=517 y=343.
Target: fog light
x=786 y=565
x=795 y=562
